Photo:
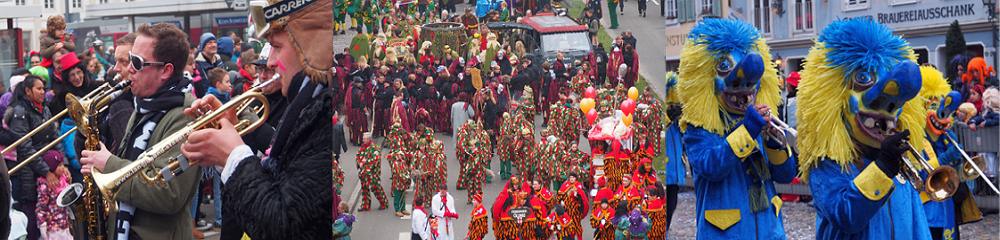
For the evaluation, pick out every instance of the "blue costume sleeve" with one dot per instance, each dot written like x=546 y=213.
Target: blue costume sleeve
x=950 y=156
x=839 y=197
x=783 y=164
x=709 y=154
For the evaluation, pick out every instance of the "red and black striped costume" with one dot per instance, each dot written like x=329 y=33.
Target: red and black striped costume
x=573 y=197
x=631 y=194
x=479 y=226
x=504 y=226
x=605 y=230
x=658 y=216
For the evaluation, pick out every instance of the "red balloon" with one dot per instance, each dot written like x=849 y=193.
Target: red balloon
x=590 y=92
x=628 y=106
x=592 y=116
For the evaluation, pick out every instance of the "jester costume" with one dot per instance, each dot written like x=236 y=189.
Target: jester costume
x=565 y=121
x=573 y=196
x=464 y=150
x=477 y=167
x=654 y=208
x=370 y=167
x=528 y=106
x=480 y=223
x=400 y=178
x=726 y=74
x=507 y=147
x=648 y=125
x=512 y=196
x=939 y=104
x=601 y=220
x=854 y=84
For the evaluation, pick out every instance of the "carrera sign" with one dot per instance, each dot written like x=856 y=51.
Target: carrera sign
x=284 y=8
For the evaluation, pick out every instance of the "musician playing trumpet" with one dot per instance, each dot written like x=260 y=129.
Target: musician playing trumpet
x=938 y=104
x=147 y=211
x=851 y=140
x=735 y=157
x=286 y=194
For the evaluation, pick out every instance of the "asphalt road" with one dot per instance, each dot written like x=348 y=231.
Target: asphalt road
x=649 y=32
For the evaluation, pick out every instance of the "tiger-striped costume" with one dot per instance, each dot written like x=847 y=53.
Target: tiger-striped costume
x=658 y=216
x=479 y=226
x=605 y=230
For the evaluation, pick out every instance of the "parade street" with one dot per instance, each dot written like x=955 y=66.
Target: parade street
x=649 y=32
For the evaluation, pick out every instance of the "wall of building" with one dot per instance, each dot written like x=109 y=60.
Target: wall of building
x=923 y=23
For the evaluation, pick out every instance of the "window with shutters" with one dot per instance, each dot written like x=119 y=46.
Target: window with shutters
x=19 y=2
x=77 y=3
x=762 y=15
x=50 y=3
x=803 y=10
x=704 y=7
x=671 y=11
x=851 y=5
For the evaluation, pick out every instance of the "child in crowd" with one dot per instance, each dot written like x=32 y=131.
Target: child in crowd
x=221 y=85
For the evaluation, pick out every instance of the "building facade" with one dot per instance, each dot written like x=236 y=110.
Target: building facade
x=791 y=25
x=681 y=16
x=109 y=19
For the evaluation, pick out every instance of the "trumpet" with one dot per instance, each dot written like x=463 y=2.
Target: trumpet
x=108 y=183
x=972 y=166
x=789 y=134
x=98 y=99
x=941 y=182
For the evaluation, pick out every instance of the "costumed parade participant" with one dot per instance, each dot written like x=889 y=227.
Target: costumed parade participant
x=601 y=220
x=479 y=225
x=512 y=196
x=735 y=156
x=939 y=104
x=573 y=196
x=854 y=84
x=443 y=208
x=401 y=169
x=674 y=171
x=370 y=173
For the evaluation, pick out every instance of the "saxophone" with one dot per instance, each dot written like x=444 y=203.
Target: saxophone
x=94 y=208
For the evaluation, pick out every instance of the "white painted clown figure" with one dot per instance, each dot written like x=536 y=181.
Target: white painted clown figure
x=735 y=156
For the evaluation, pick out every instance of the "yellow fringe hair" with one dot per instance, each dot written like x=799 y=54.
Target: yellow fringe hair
x=823 y=100
x=696 y=86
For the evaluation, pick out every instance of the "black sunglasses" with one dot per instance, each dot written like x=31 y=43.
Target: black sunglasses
x=138 y=63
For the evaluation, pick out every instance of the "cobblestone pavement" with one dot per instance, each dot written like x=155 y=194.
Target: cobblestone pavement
x=800 y=221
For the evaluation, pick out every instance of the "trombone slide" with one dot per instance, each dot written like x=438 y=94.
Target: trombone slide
x=968 y=160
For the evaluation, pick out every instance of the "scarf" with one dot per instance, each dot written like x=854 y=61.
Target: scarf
x=289 y=119
x=149 y=111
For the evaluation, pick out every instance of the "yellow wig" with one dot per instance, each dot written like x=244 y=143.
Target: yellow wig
x=823 y=100
x=697 y=90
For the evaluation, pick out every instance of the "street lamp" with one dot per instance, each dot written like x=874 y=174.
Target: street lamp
x=991 y=5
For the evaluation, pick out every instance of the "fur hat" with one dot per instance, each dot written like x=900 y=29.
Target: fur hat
x=311 y=34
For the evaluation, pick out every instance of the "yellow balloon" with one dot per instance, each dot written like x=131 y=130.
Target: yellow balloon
x=586 y=104
x=633 y=93
x=627 y=120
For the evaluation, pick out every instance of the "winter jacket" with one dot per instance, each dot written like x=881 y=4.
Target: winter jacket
x=22 y=117
x=48 y=45
x=203 y=65
x=255 y=197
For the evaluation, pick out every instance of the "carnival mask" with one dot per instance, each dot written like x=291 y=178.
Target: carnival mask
x=877 y=98
x=941 y=112
x=737 y=79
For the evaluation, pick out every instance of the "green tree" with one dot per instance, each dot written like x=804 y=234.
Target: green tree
x=954 y=44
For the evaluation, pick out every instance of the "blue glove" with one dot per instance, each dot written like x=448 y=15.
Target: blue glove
x=753 y=121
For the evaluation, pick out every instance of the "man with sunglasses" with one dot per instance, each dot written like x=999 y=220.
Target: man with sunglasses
x=156 y=63
x=256 y=198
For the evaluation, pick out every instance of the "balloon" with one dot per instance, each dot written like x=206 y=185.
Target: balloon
x=627 y=120
x=628 y=106
x=590 y=92
x=591 y=116
x=586 y=104
x=633 y=93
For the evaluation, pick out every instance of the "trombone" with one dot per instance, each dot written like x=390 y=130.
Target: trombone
x=100 y=96
x=941 y=182
x=108 y=183
x=972 y=166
